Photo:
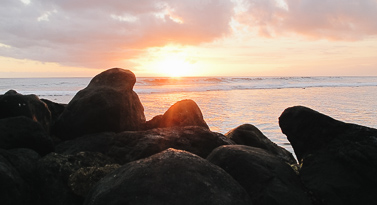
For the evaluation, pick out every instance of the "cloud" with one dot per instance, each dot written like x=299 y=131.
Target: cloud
x=330 y=19
x=97 y=33
x=94 y=33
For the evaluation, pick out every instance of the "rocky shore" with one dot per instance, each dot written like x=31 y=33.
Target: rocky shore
x=99 y=149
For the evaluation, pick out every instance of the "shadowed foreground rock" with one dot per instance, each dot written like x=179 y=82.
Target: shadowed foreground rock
x=54 y=171
x=107 y=104
x=247 y=134
x=170 y=177
x=132 y=145
x=181 y=114
x=266 y=178
x=339 y=160
x=23 y=132
x=17 y=176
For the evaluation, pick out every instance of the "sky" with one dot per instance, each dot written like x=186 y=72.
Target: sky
x=81 y=38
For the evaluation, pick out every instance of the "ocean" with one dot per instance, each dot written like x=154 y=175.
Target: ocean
x=227 y=102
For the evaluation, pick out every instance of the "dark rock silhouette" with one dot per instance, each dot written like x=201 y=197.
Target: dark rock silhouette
x=339 y=160
x=247 y=134
x=182 y=113
x=266 y=178
x=23 y=132
x=13 y=104
x=170 y=177
x=132 y=145
x=107 y=104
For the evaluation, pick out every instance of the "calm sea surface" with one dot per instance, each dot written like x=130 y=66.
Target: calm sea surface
x=229 y=102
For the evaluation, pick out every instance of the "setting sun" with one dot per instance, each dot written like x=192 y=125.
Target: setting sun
x=170 y=61
x=174 y=67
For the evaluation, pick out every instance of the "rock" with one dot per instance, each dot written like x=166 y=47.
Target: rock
x=23 y=132
x=54 y=171
x=170 y=177
x=85 y=178
x=308 y=130
x=13 y=104
x=339 y=160
x=153 y=123
x=182 y=113
x=24 y=161
x=132 y=145
x=13 y=189
x=266 y=178
x=247 y=134
x=17 y=176
x=56 y=109
x=107 y=104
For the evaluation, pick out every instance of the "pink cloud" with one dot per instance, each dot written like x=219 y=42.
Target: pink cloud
x=330 y=19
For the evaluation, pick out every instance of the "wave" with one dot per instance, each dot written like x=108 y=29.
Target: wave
x=70 y=86
x=202 y=84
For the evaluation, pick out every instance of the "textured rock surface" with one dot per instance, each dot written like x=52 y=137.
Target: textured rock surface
x=266 y=178
x=132 y=145
x=54 y=171
x=170 y=177
x=107 y=104
x=247 y=134
x=85 y=178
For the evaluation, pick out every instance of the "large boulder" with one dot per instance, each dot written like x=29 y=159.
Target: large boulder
x=339 y=160
x=266 y=178
x=23 y=132
x=107 y=104
x=170 y=177
x=182 y=113
x=54 y=171
x=309 y=131
x=13 y=104
x=250 y=135
x=132 y=145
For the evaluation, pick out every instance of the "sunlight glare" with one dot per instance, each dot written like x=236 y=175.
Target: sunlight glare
x=174 y=67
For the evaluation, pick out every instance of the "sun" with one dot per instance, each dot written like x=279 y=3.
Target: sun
x=174 y=67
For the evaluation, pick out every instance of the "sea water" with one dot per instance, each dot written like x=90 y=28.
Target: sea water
x=227 y=102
